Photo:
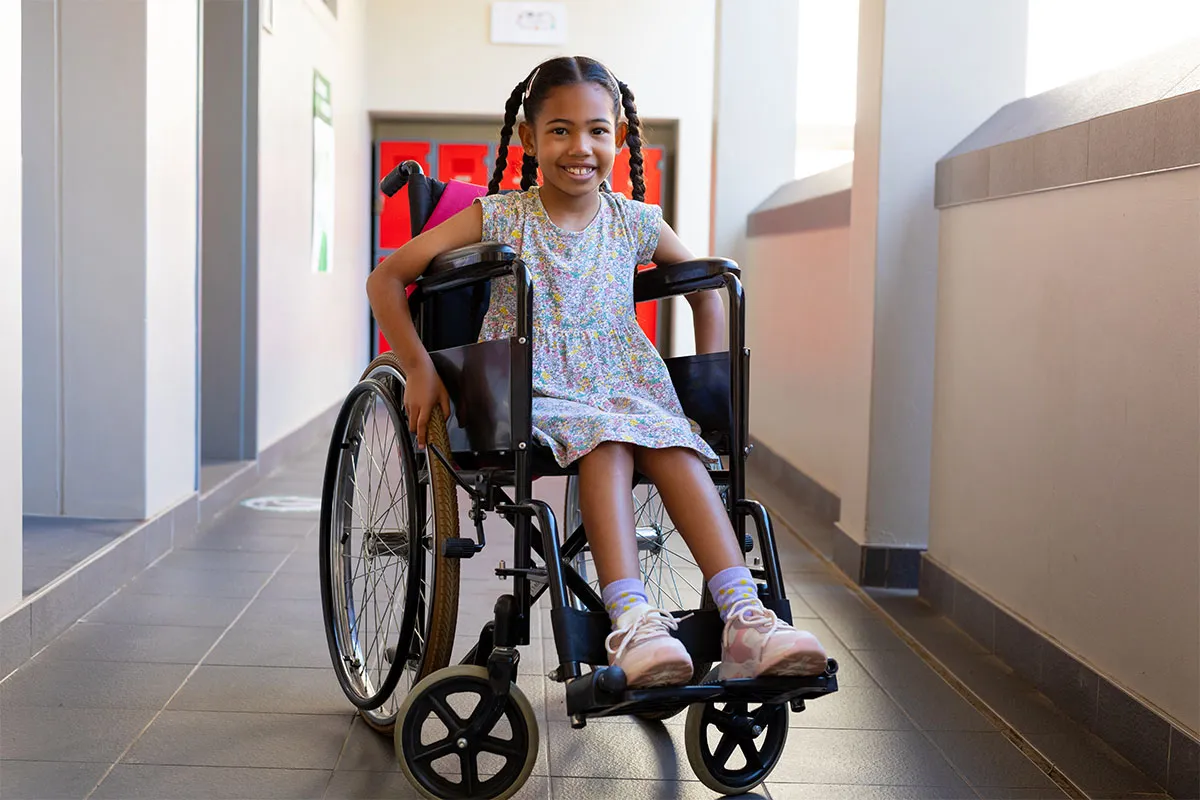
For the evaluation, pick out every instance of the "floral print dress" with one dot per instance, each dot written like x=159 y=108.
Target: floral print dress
x=596 y=377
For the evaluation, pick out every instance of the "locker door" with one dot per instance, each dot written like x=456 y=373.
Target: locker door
x=467 y=163
x=394 y=228
x=652 y=160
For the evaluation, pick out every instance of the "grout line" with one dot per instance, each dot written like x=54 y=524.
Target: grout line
x=1068 y=786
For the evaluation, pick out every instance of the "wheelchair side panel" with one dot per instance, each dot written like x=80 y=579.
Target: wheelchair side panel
x=478 y=378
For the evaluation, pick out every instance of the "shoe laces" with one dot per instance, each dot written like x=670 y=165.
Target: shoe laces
x=654 y=622
x=751 y=611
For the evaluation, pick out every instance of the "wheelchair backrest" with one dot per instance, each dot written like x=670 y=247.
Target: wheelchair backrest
x=454 y=317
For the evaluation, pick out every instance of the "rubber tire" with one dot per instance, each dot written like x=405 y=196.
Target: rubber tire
x=443 y=612
x=516 y=696
x=694 y=729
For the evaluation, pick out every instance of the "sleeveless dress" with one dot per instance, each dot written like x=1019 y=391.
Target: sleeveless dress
x=596 y=377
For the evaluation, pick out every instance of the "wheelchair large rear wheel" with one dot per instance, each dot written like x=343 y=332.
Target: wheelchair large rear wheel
x=390 y=601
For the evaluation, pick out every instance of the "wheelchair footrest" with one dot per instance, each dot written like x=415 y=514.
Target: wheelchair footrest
x=587 y=696
x=459 y=548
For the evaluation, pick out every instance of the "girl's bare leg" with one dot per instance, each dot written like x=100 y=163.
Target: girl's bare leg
x=694 y=505
x=606 y=502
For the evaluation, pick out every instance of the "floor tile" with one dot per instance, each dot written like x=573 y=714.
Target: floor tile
x=277 y=690
x=292 y=586
x=995 y=793
x=221 y=560
x=226 y=739
x=864 y=633
x=194 y=582
x=601 y=789
x=367 y=750
x=244 y=542
x=146 y=609
x=928 y=699
x=806 y=791
x=152 y=782
x=272 y=647
x=888 y=758
x=48 y=683
x=628 y=751
x=69 y=734
x=394 y=786
x=48 y=780
x=147 y=644
x=274 y=613
x=989 y=759
x=856 y=708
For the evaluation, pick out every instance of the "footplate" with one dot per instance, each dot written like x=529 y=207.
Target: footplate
x=589 y=696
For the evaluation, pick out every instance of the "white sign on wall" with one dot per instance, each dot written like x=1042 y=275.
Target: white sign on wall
x=529 y=23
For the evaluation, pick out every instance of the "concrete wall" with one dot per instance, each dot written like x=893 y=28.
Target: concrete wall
x=42 y=411
x=172 y=141
x=10 y=318
x=312 y=328
x=664 y=50
x=1066 y=449
x=810 y=377
x=928 y=99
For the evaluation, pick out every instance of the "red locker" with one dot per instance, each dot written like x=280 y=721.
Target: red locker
x=467 y=163
x=652 y=168
x=394 y=226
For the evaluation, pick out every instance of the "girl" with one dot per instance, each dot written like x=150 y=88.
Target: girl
x=602 y=395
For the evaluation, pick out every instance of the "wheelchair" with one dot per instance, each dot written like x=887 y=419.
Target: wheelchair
x=390 y=546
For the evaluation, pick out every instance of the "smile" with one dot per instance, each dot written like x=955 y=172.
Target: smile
x=583 y=172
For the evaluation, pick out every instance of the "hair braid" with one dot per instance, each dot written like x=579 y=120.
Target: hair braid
x=510 y=118
x=529 y=171
x=634 y=138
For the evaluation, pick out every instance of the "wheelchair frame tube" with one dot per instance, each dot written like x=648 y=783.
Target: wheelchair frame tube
x=739 y=379
x=522 y=425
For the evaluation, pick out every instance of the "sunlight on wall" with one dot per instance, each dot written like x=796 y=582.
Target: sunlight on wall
x=1070 y=39
x=826 y=93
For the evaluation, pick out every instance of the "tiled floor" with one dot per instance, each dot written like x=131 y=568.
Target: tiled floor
x=52 y=545
x=208 y=677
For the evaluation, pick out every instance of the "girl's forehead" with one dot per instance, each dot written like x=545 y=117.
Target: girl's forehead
x=580 y=102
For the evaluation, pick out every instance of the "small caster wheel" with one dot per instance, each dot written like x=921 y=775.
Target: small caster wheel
x=446 y=755
x=733 y=745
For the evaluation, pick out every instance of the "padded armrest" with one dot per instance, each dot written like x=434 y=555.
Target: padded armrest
x=682 y=278
x=466 y=265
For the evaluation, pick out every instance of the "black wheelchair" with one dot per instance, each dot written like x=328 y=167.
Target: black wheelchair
x=390 y=548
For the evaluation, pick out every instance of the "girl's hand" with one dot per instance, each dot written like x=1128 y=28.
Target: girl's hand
x=423 y=392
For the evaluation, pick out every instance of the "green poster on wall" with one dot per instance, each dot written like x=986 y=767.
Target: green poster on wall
x=323 y=176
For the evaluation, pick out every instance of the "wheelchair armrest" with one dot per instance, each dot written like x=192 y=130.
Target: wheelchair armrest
x=683 y=278
x=466 y=265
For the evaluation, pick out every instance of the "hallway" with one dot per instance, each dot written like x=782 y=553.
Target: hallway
x=208 y=677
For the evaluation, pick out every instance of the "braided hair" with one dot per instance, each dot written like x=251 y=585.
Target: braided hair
x=531 y=92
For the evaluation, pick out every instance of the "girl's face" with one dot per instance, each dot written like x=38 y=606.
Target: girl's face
x=575 y=138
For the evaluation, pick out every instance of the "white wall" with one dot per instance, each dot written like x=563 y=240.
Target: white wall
x=42 y=356
x=312 y=329
x=437 y=58
x=754 y=147
x=103 y=44
x=1066 y=451
x=172 y=64
x=810 y=376
x=10 y=318
x=927 y=99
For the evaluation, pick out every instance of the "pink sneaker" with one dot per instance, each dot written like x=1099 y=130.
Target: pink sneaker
x=643 y=647
x=756 y=643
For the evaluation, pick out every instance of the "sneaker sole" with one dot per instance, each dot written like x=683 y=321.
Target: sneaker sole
x=669 y=674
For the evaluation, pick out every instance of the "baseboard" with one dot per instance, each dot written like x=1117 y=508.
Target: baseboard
x=307 y=435
x=876 y=565
x=49 y=611
x=1154 y=744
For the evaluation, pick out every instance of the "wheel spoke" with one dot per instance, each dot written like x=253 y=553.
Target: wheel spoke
x=500 y=747
x=753 y=757
x=435 y=751
x=724 y=749
x=444 y=712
